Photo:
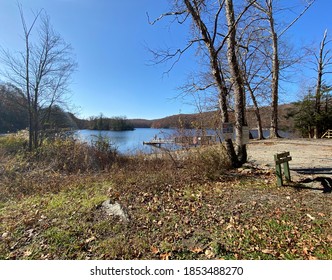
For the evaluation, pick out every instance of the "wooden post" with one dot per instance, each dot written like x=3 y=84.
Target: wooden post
x=282 y=158
x=287 y=171
x=278 y=172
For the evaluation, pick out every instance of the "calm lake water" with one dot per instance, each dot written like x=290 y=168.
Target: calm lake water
x=129 y=142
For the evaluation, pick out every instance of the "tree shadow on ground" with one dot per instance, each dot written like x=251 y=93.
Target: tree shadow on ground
x=325 y=182
x=326 y=171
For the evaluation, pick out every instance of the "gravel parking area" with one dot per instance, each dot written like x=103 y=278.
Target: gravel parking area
x=309 y=156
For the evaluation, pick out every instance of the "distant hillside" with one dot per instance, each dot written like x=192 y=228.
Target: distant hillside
x=14 y=117
x=141 y=123
x=212 y=120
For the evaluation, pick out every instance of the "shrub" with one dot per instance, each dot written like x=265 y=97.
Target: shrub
x=71 y=155
x=105 y=151
x=209 y=161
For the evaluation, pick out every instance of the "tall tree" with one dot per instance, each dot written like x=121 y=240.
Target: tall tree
x=269 y=11
x=237 y=81
x=213 y=39
x=254 y=63
x=323 y=63
x=41 y=71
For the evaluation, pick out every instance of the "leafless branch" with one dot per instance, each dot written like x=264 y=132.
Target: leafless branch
x=176 y=14
x=297 y=18
x=162 y=56
x=216 y=21
x=230 y=30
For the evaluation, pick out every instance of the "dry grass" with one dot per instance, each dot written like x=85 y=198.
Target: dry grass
x=176 y=211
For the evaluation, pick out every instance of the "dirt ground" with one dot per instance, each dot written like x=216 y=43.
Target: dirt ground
x=309 y=156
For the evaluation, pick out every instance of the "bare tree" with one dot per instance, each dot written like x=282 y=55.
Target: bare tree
x=212 y=39
x=42 y=71
x=254 y=64
x=323 y=63
x=237 y=81
x=267 y=7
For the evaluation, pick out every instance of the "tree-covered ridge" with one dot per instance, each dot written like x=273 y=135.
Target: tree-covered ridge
x=105 y=123
x=13 y=117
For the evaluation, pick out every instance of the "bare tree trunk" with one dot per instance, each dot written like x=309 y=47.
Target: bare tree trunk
x=41 y=71
x=275 y=79
x=225 y=119
x=215 y=41
x=237 y=81
x=217 y=75
x=27 y=77
x=260 y=135
x=267 y=8
x=36 y=121
x=318 y=93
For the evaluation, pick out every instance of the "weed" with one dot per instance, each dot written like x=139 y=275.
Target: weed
x=211 y=161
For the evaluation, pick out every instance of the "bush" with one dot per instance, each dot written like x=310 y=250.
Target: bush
x=209 y=161
x=71 y=155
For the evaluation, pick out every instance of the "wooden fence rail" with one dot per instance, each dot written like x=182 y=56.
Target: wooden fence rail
x=327 y=134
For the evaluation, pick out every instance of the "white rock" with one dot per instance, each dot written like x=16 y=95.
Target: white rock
x=114 y=209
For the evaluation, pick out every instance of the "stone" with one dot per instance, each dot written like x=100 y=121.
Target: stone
x=114 y=209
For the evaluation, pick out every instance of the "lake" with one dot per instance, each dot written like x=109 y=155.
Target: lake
x=127 y=142
x=130 y=142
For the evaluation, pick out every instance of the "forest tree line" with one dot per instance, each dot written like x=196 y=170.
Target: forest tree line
x=298 y=117
x=14 y=116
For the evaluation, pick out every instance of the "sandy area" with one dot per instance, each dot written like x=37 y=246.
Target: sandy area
x=309 y=156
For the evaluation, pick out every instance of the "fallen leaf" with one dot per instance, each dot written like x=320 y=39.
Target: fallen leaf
x=154 y=250
x=165 y=256
x=267 y=251
x=27 y=253
x=196 y=250
x=311 y=217
x=209 y=253
x=5 y=235
x=254 y=228
x=329 y=237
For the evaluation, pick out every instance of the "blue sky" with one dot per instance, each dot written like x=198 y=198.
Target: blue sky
x=110 y=40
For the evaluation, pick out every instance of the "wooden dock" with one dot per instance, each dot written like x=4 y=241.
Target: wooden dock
x=159 y=142
x=183 y=140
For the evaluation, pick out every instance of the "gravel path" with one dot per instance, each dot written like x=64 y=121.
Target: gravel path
x=309 y=156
